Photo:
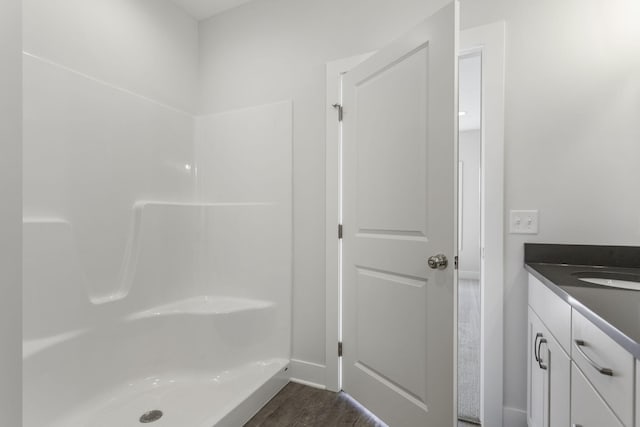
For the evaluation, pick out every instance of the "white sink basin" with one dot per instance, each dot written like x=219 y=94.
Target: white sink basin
x=613 y=283
x=612 y=280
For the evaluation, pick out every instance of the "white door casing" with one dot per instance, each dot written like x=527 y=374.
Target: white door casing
x=489 y=41
x=399 y=195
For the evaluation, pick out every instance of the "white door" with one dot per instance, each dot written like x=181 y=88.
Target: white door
x=399 y=192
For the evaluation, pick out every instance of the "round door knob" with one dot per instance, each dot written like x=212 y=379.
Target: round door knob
x=438 y=262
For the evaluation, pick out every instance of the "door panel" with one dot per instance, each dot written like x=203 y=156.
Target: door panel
x=378 y=325
x=399 y=138
x=398 y=94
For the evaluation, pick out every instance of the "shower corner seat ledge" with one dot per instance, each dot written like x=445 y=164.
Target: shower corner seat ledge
x=98 y=300
x=203 y=305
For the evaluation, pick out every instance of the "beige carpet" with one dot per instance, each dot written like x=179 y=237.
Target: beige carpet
x=469 y=349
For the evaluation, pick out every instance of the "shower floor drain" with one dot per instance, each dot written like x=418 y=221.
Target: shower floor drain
x=151 y=416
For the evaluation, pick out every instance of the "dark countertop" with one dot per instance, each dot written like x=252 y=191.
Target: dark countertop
x=615 y=311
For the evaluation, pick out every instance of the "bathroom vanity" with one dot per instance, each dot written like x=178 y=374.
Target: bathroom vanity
x=583 y=336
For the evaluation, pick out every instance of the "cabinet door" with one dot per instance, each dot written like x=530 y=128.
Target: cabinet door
x=549 y=378
x=587 y=407
x=558 y=381
x=537 y=379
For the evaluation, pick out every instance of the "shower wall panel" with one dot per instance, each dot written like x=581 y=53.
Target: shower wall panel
x=244 y=166
x=91 y=151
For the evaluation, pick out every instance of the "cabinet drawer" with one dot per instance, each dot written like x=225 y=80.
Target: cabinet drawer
x=587 y=407
x=592 y=349
x=553 y=311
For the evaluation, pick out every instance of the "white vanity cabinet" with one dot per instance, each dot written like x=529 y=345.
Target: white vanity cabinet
x=577 y=375
x=548 y=367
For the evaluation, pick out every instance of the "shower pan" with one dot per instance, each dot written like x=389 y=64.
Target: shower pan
x=198 y=361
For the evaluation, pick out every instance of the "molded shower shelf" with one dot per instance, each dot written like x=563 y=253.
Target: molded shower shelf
x=32 y=347
x=203 y=305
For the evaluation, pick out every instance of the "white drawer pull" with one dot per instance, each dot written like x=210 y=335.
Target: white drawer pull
x=603 y=371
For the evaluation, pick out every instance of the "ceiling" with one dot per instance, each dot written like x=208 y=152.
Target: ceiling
x=203 y=9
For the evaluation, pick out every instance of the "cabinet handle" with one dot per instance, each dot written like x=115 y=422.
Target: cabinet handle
x=576 y=425
x=603 y=371
x=535 y=347
x=540 y=364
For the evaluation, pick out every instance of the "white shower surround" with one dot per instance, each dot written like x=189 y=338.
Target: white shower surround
x=157 y=256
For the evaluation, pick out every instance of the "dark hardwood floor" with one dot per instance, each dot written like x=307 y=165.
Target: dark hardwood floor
x=301 y=406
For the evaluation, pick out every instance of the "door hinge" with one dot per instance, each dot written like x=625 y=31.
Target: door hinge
x=340 y=349
x=340 y=111
x=455 y=262
x=339 y=231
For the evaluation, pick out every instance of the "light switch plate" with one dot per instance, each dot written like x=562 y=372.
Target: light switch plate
x=523 y=222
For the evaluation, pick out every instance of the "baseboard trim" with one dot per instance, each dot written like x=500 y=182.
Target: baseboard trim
x=513 y=417
x=307 y=373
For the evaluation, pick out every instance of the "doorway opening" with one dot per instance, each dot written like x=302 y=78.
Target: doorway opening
x=469 y=242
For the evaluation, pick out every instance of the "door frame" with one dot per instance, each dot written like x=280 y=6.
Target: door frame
x=333 y=187
x=489 y=40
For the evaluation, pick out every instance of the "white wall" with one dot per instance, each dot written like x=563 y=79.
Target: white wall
x=470 y=143
x=146 y=46
x=469 y=146
x=571 y=122
x=10 y=213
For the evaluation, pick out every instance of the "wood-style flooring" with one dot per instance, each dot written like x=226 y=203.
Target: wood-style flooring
x=300 y=406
